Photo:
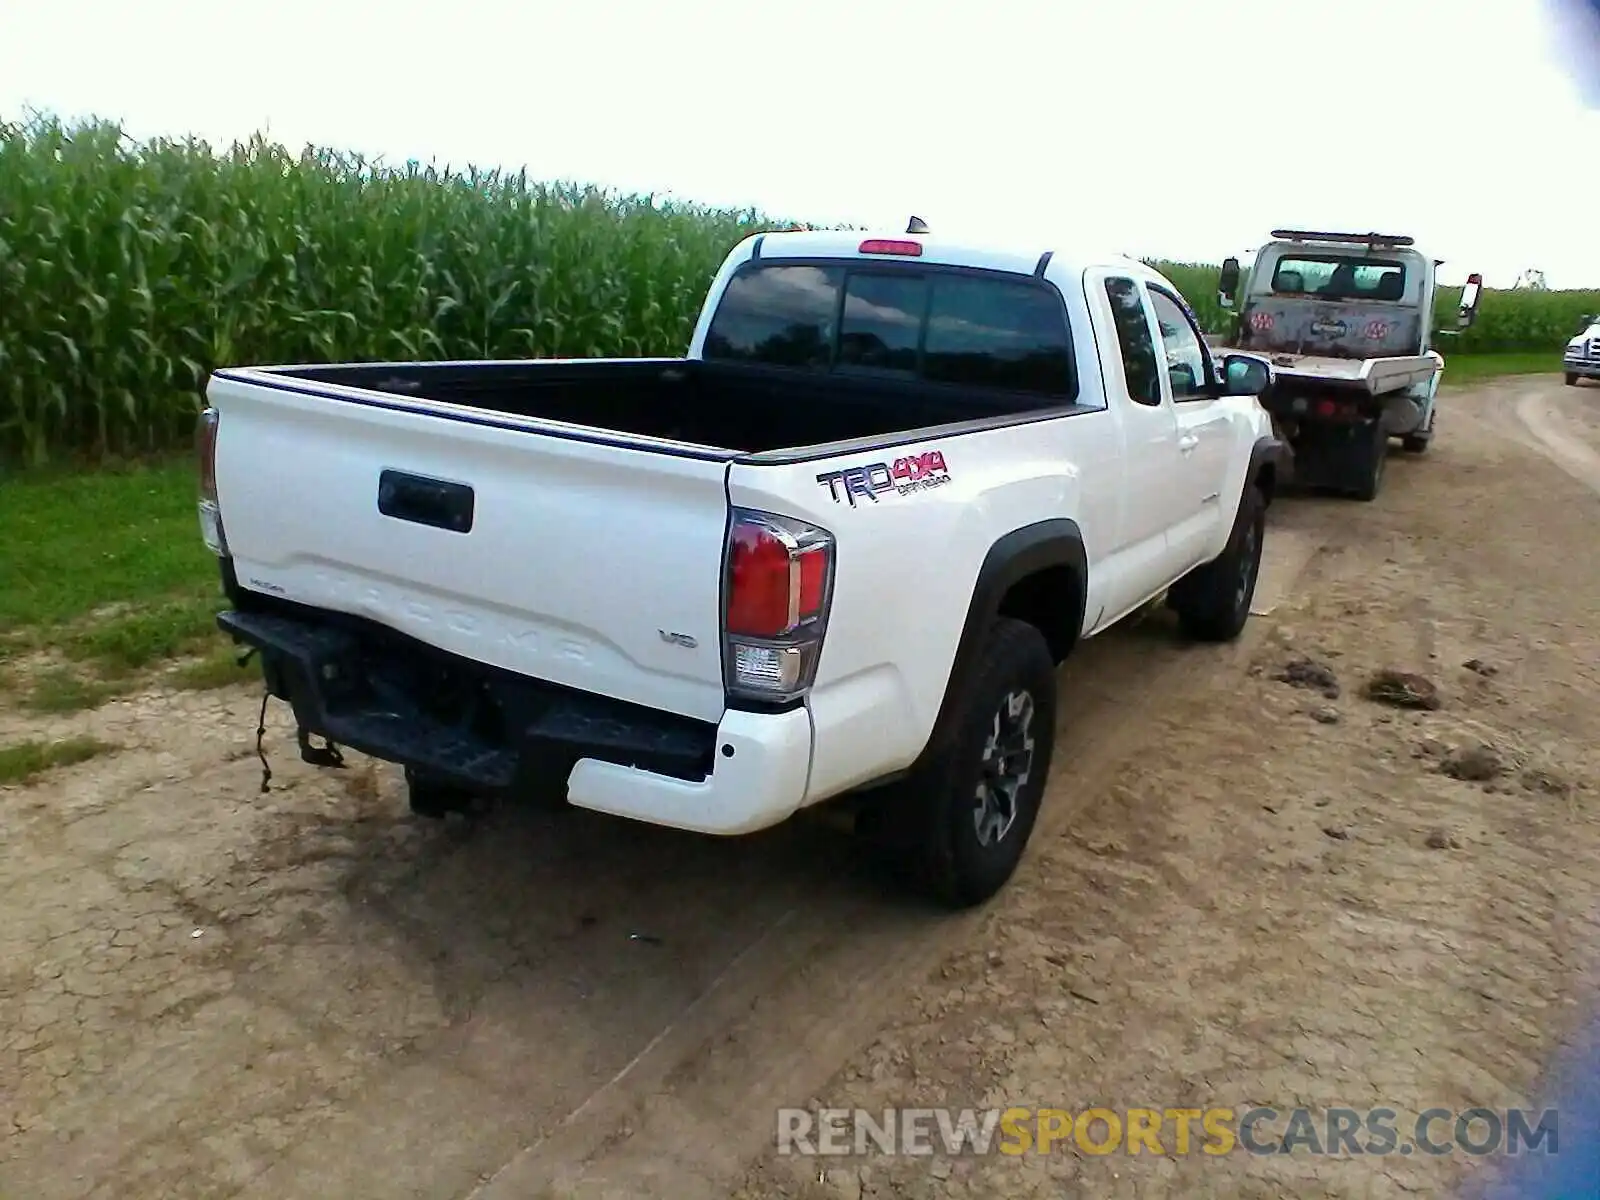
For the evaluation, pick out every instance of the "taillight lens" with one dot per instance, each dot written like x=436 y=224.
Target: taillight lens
x=206 y=462
x=778 y=585
x=758 y=582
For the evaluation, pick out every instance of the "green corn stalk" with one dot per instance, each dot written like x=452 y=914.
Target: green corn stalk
x=130 y=270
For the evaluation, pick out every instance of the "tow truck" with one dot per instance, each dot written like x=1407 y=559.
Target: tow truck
x=1347 y=321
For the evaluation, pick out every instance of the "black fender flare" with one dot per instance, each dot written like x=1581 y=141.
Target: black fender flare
x=1057 y=542
x=1269 y=450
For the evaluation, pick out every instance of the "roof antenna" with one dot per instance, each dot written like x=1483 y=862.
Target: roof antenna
x=917 y=225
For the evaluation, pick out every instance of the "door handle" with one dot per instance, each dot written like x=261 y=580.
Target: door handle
x=1188 y=442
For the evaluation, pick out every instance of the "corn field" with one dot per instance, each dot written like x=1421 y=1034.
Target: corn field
x=128 y=271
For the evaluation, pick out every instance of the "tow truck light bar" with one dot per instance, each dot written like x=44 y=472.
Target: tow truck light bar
x=1354 y=239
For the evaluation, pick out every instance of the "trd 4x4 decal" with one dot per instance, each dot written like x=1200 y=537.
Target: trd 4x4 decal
x=903 y=476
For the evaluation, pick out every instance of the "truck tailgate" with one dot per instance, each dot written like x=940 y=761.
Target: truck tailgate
x=538 y=549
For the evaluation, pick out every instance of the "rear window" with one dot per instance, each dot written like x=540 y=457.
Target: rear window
x=1340 y=278
x=961 y=328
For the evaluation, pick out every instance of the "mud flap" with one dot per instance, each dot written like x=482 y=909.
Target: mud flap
x=1336 y=456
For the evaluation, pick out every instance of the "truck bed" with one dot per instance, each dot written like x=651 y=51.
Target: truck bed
x=561 y=521
x=715 y=405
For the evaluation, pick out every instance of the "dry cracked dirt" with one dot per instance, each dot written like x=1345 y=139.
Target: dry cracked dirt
x=1255 y=883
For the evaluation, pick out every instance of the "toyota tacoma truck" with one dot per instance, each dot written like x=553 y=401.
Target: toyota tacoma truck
x=1347 y=319
x=838 y=548
x=1581 y=360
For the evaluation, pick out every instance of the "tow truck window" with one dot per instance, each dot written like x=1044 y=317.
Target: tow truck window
x=1335 y=278
x=950 y=327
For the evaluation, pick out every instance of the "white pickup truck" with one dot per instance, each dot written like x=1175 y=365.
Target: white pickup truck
x=1581 y=360
x=839 y=548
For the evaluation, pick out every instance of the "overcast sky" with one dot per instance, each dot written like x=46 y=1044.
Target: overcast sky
x=1174 y=128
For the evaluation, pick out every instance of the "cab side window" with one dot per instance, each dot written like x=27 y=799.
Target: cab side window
x=1139 y=361
x=1187 y=363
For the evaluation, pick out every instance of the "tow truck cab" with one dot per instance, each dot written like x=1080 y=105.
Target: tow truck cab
x=1348 y=321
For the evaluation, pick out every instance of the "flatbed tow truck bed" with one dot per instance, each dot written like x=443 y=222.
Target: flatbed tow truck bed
x=1374 y=376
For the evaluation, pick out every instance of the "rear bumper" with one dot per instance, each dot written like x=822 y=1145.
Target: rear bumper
x=462 y=722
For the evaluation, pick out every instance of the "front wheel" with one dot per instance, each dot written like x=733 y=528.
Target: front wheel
x=959 y=826
x=1572 y=379
x=1213 y=601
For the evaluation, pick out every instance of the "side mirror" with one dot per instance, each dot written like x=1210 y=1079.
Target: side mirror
x=1470 y=295
x=1245 y=375
x=1228 y=282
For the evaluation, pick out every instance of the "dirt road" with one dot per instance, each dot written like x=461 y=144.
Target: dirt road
x=1243 y=892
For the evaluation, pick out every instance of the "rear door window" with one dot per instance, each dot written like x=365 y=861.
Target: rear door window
x=968 y=329
x=1139 y=362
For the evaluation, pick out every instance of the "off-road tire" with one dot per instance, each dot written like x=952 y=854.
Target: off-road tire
x=1572 y=379
x=1213 y=601
x=928 y=825
x=1415 y=443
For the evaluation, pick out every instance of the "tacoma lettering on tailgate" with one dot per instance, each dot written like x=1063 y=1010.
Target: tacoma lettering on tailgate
x=902 y=476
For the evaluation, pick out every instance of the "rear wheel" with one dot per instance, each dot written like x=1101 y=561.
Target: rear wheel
x=957 y=829
x=1370 y=480
x=1213 y=601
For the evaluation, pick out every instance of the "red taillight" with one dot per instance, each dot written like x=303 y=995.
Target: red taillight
x=759 y=593
x=778 y=589
x=813 y=581
x=890 y=246
x=1327 y=408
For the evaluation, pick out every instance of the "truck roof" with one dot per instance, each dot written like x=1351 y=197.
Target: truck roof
x=1022 y=260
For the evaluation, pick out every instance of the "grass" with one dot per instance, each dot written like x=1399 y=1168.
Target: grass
x=21 y=762
x=104 y=571
x=76 y=541
x=218 y=669
x=64 y=690
x=1475 y=368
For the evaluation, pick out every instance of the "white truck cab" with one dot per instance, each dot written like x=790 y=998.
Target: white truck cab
x=838 y=548
x=1581 y=359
